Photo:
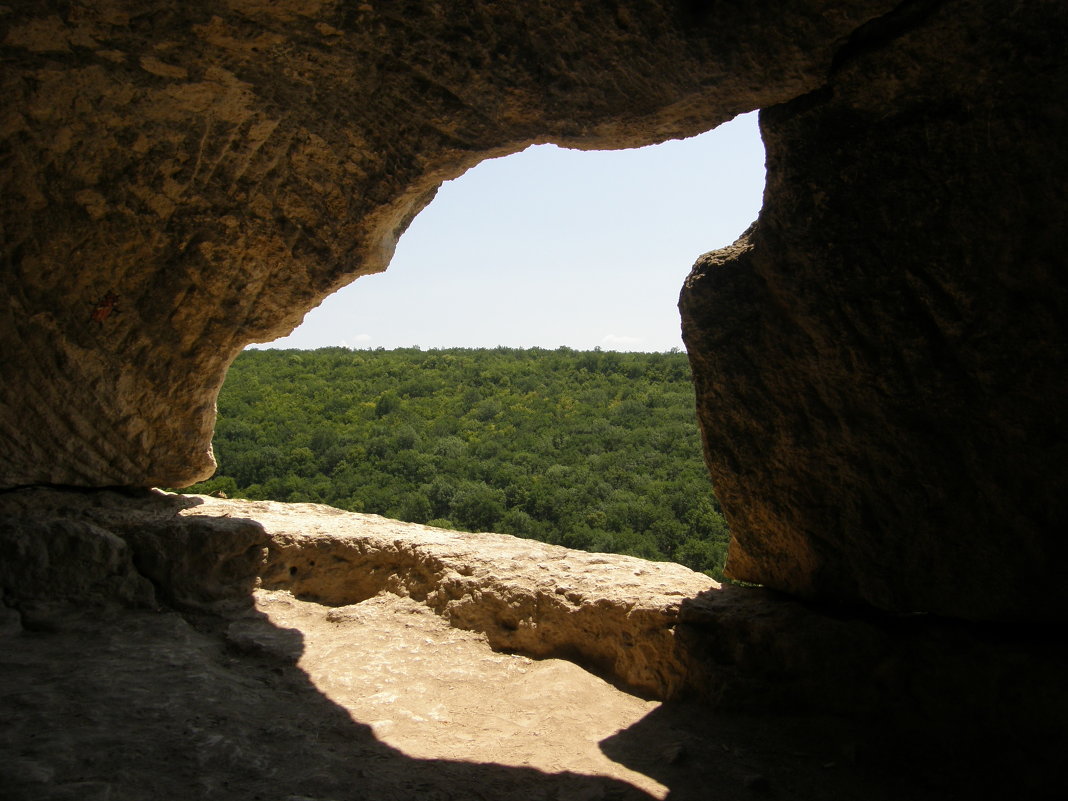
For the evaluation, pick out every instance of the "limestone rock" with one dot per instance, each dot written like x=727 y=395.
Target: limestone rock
x=616 y=614
x=880 y=361
x=125 y=548
x=63 y=561
x=341 y=581
x=880 y=374
x=198 y=563
x=181 y=180
x=388 y=704
x=881 y=367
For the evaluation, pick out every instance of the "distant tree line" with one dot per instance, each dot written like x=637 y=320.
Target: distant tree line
x=594 y=450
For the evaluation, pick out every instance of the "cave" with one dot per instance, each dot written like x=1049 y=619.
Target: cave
x=879 y=360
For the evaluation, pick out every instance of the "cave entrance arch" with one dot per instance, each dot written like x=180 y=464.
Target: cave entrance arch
x=562 y=251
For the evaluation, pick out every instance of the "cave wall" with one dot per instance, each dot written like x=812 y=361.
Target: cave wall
x=881 y=361
x=181 y=179
x=879 y=365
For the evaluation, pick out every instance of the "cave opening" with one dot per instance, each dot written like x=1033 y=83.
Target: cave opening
x=554 y=247
x=518 y=367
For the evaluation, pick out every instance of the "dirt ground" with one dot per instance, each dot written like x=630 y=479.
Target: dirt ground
x=379 y=700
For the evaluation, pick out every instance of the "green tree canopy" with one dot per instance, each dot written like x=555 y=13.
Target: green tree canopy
x=593 y=450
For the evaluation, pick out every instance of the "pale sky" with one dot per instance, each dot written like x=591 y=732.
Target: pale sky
x=553 y=247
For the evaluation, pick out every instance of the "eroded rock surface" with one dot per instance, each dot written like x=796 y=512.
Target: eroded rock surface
x=881 y=361
x=616 y=614
x=381 y=701
x=181 y=180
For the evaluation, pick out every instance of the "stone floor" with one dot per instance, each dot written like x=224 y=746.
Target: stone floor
x=379 y=700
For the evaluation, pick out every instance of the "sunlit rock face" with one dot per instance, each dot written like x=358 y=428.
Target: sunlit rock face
x=880 y=368
x=880 y=362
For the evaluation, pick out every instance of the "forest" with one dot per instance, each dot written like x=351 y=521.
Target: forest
x=596 y=450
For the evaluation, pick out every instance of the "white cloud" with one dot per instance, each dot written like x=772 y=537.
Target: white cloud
x=616 y=339
x=358 y=340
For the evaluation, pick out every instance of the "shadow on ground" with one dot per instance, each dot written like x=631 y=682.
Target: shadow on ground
x=101 y=701
x=125 y=704
x=136 y=705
